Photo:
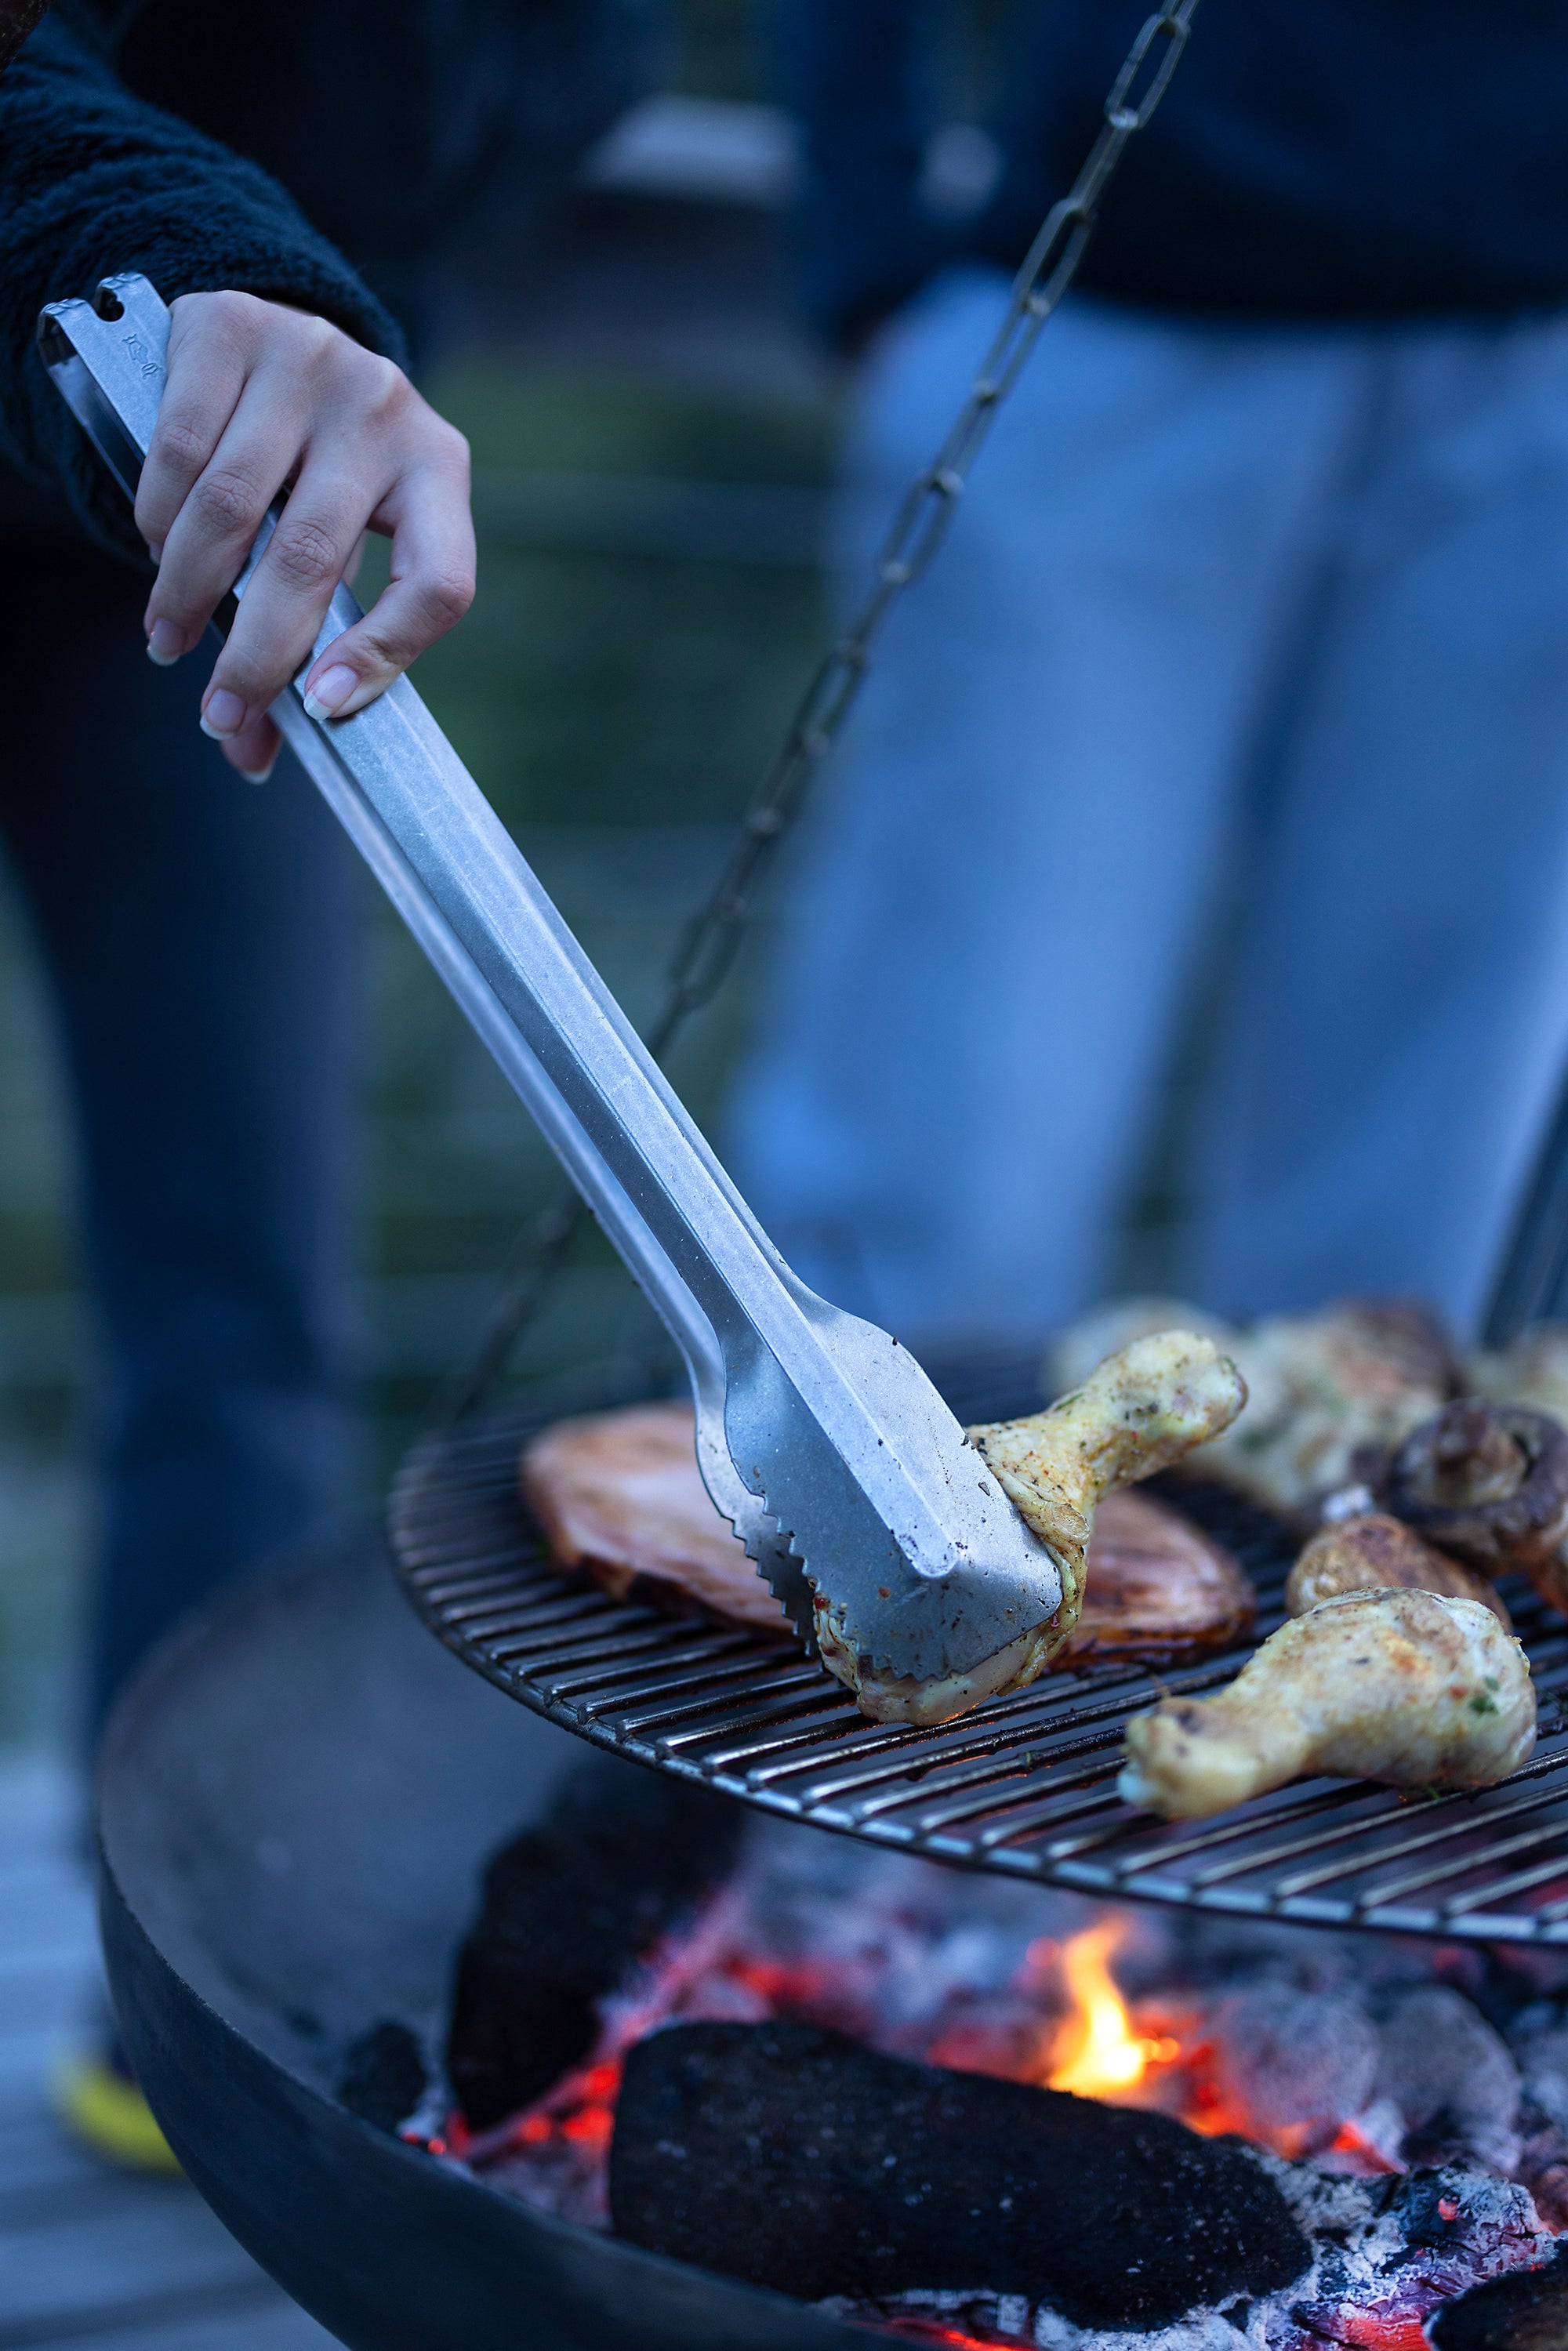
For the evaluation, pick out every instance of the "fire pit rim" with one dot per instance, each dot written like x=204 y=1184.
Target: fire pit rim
x=345 y=2217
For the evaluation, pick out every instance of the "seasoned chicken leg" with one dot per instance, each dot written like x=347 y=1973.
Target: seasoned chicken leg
x=1413 y=1689
x=1139 y=1411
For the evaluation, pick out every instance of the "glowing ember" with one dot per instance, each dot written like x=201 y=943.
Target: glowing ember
x=1367 y=2332
x=1332 y=2063
x=1351 y=2140
x=1096 y=2053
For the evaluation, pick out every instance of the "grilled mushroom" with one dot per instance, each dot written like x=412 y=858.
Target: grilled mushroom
x=1373 y=1552
x=1486 y=1483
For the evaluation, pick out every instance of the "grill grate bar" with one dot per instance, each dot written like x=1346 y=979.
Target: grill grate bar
x=875 y=1764
x=611 y=1690
x=1398 y=1848
x=1024 y=1785
x=699 y=1721
x=1555 y=1870
x=1460 y=1864
x=1312 y=1800
x=976 y=1807
x=487 y=1617
x=710 y=1710
x=641 y=1644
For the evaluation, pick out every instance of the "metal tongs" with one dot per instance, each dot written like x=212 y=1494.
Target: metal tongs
x=818 y=1435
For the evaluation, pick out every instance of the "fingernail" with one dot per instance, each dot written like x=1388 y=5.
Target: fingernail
x=256 y=775
x=330 y=693
x=164 y=643
x=224 y=715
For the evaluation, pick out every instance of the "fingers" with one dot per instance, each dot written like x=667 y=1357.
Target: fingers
x=209 y=358
x=430 y=588
x=252 y=753
x=260 y=397
x=212 y=532
x=286 y=599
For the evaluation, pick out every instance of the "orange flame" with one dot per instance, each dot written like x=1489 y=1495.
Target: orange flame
x=1096 y=2052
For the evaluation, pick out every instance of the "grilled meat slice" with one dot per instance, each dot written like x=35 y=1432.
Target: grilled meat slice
x=620 y=1497
x=1156 y=1588
x=1411 y=1688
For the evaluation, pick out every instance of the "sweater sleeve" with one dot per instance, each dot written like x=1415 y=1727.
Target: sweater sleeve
x=93 y=181
x=853 y=72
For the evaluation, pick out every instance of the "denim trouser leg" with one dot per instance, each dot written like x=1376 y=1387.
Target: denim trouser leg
x=1301 y=588
x=198 y=934
x=1398 y=1022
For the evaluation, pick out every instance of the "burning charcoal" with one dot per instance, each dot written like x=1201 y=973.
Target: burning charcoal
x=1542 y=2168
x=567 y=1906
x=1451 y=2076
x=383 y=2076
x=1544 y=2060
x=1296 y=2064
x=1528 y=2313
x=799 y=2159
x=1387 y=2253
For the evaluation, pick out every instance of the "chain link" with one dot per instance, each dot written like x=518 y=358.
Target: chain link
x=712 y=938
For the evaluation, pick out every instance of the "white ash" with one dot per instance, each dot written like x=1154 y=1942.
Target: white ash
x=1539 y=2037
x=1297 y=2061
x=1385 y=2247
x=1442 y=2064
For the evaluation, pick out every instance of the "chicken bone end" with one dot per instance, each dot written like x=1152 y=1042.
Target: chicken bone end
x=1139 y=1411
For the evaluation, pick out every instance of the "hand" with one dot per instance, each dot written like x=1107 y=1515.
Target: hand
x=260 y=398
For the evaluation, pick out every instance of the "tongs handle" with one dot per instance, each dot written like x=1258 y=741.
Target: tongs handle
x=489 y=928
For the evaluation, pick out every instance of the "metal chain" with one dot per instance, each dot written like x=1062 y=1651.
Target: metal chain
x=708 y=947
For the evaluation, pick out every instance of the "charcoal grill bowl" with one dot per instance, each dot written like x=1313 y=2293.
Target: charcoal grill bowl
x=294 y=1802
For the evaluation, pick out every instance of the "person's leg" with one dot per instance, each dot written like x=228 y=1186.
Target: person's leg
x=1401 y=1006
x=990 y=936
x=198 y=932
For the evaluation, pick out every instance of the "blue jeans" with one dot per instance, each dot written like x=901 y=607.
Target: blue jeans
x=199 y=938
x=1283 y=602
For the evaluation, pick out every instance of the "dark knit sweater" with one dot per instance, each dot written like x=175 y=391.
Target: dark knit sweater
x=385 y=118
x=1314 y=158
x=93 y=181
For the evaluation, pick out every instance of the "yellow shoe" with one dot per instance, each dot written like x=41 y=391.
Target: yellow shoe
x=101 y=2106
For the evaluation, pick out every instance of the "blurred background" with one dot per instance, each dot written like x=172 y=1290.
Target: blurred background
x=652 y=429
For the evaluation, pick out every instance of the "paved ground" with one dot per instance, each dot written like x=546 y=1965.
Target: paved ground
x=88 y=2256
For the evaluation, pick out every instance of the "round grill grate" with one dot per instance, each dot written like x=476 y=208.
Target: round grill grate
x=1024 y=1785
